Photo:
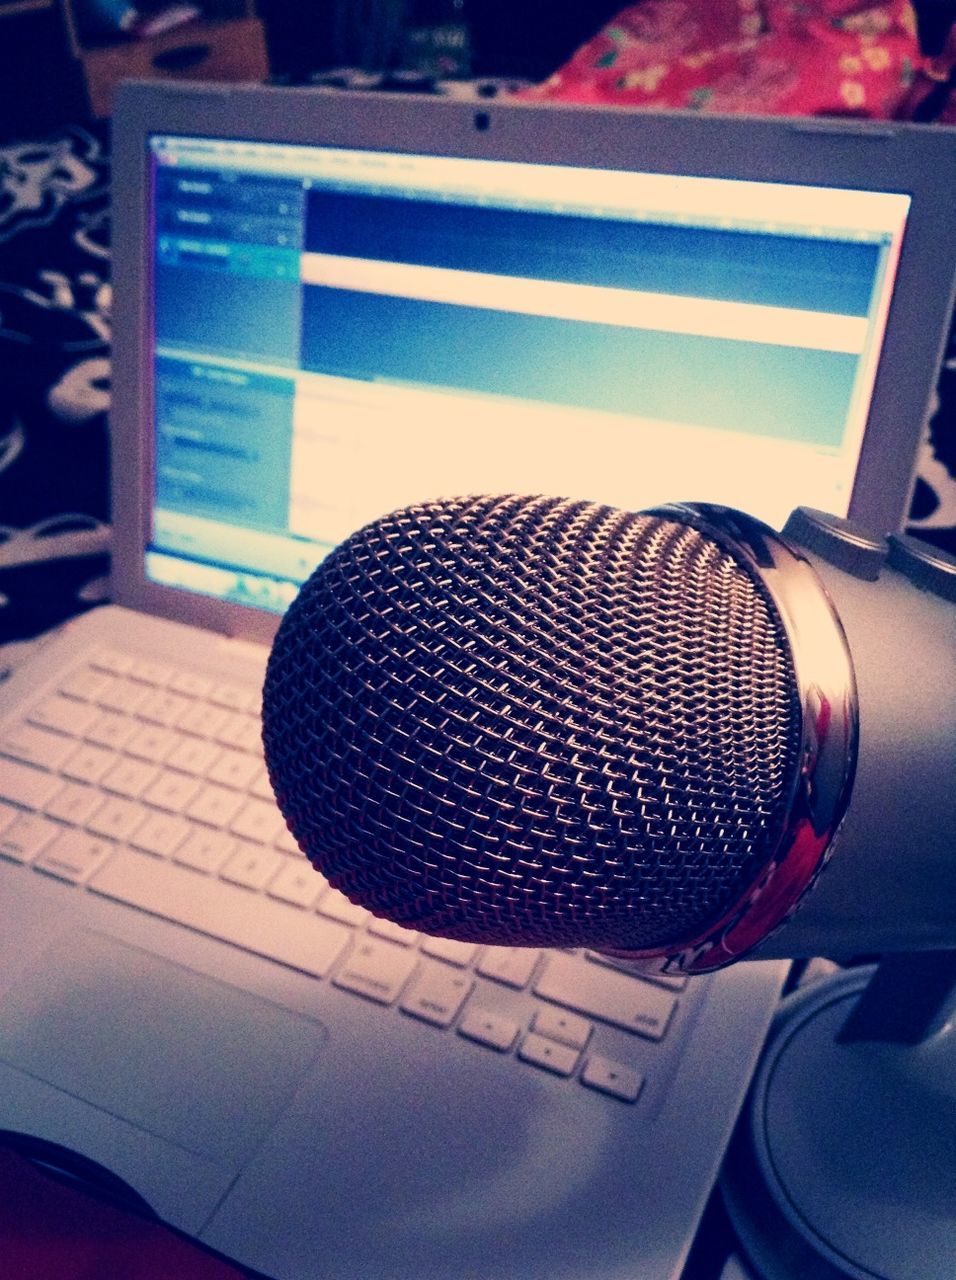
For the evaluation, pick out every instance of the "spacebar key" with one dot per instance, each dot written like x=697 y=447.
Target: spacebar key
x=222 y=911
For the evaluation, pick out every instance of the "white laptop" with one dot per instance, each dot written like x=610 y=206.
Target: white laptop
x=328 y=305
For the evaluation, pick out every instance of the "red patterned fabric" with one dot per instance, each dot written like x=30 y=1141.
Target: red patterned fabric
x=765 y=57
x=941 y=70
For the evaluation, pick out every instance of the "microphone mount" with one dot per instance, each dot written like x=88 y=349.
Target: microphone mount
x=843 y=1162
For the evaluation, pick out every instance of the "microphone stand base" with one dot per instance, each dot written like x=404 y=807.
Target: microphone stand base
x=843 y=1163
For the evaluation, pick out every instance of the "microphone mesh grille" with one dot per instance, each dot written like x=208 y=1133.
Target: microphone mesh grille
x=534 y=721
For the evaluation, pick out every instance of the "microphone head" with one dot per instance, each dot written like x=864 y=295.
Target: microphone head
x=535 y=721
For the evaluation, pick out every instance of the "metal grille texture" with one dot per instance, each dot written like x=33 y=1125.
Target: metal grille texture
x=534 y=721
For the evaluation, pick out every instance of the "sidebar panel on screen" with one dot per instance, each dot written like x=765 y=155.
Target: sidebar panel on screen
x=227 y=320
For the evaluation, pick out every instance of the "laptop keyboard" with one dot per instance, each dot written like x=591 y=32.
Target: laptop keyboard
x=145 y=783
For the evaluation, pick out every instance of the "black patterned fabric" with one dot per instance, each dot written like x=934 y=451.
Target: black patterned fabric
x=54 y=379
x=54 y=387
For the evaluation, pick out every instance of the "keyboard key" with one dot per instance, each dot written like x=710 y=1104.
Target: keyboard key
x=163 y=707
x=63 y=714
x=74 y=856
x=511 y=965
x=377 y=970
x=251 y=921
x=206 y=851
x=88 y=763
x=151 y=672
x=297 y=883
x=336 y=906
x=172 y=791
x=74 y=803
x=260 y=785
x=286 y=841
x=29 y=787
x=612 y=1077
x=24 y=838
x=393 y=932
x=33 y=745
x=559 y=1058
x=451 y=951
x=116 y=818
x=567 y=1028
x=191 y=683
x=192 y=755
x=151 y=742
x=436 y=995
x=130 y=777
x=111 y=730
x=258 y=820
x=119 y=694
x=252 y=866
x=84 y=684
x=488 y=1028
x=603 y=993
x=202 y=720
x=215 y=806
x=234 y=769
x=674 y=981
x=161 y=833
x=241 y=731
x=235 y=697
x=114 y=660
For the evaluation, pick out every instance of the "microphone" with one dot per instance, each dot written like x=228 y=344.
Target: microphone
x=534 y=721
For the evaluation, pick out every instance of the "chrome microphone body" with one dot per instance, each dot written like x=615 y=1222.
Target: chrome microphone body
x=532 y=721
x=890 y=884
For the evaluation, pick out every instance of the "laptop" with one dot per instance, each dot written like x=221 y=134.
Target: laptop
x=329 y=305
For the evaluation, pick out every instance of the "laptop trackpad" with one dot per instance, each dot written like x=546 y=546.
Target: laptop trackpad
x=192 y=1060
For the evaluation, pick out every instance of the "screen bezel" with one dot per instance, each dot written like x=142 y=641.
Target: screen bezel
x=912 y=159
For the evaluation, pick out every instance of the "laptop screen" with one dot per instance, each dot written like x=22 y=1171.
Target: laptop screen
x=338 y=333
